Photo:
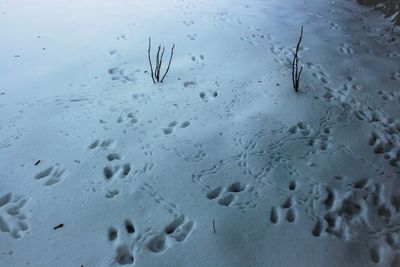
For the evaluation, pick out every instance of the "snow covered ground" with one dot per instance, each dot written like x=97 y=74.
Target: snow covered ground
x=221 y=165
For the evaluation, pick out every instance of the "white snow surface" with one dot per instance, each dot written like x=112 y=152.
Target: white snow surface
x=223 y=164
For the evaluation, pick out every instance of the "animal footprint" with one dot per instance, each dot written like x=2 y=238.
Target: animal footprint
x=158 y=243
x=124 y=255
x=291 y=215
x=52 y=175
x=318 y=72
x=12 y=219
x=177 y=231
x=387 y=95
x=189 y=84
x=170 y=127
x=227 y=196
x=300 y=127
x=111 y=193
x=215 y=193
x=118 y=74
x=185 y=124
x=322 y=141
x=131 y=117
x=188 y=23
x=346 y=49
x=192 y=36
x=288 y=207
x=208 y=95
x=199 y=59
x=128 y=241
x=375 y=254
x=318 y=228
x=252 y=39
x=395 y=75
x=291 y=212
x=382 y=145
x=104 y=144
x=179 y=228
x=236 y=187
x=334 y=26
x=274 y=215
x=292 y=185
x=111 y=171
x=226 y=200
x=113 y=156
x=168 y=130
x=322 y=76
x=345 y=207
x=172 y=124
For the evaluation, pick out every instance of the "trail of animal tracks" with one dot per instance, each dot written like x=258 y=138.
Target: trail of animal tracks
x=222 y=164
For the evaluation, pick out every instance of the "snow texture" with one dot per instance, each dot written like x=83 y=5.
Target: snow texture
x=223 y=164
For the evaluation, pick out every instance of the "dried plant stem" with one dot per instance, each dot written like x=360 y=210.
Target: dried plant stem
x=151 y=65
x=296 y=73
x=169 y=63
x=155 y=74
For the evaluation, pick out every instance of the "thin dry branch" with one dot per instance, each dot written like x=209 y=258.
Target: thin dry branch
x=157 y=70
x=169 y=63
x=151 y=65
x=156 y=73
x=295 y=65
x=159 y=63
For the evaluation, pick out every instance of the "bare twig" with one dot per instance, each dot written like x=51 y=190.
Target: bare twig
x=295 y=65
x=61 y=225
x=159 y=63
x=214 y=226
x=155 y=74
x=151 y=66
x=169 y=63
x=157 y=71
x=161 y=57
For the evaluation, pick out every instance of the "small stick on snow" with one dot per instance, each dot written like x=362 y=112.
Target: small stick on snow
x=37 y=162
x=61 y=225
x=214 y=226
